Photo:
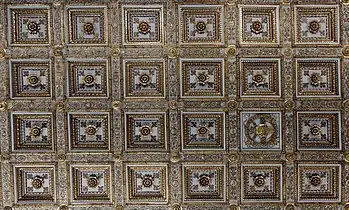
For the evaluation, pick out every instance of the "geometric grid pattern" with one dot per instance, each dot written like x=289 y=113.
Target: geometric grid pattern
x=296 y=77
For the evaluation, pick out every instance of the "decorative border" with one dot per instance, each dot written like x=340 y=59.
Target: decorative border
x=222 y=136
x=124 y=30
x=209 y=8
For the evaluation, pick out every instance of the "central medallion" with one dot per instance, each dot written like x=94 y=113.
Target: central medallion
x=204 y=180
x=258 y=80
x=314 y=27
x=147 y=181
x=33 y=27
x=202 y=78
x=91 y=130
x=33 y=80
x=88 y=28
x=92 y=181
x=257 y=27
x=202 y=130
x=145 y=130
x=259 y=181
x=144 y=27
x=144 y=79
x=89 y=80
x=315 y=130
x=261 y=129
x=37 y=183
x=315 y=180
x=35 y=131
x=200 y=27
x=315 y=79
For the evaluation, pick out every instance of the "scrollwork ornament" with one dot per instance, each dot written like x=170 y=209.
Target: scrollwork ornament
x=118 y=157
x=7 y=208
x=5 y=157
x=232 y=104
x=290 y=157
x=58 y=51
x=173 y=104
x=345 y=104
x=116 y=52
x=345 y=50
x=234 y=207
x=119 y=207
x=346 y=157
x=233 y=157
x=289 y=104
x=176 y=207
x=172 y=52
x=345 y=1
x=2 y=53
x=61 y=157
x=175 y=158
x=116 y=104
x=63 y=207
x=290 y=207
x=288 y=52
x=346 y=206
x=3 y=105
x=231 y=51
x=60 y=105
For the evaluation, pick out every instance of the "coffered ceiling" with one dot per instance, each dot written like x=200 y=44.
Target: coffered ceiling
x=163 y=104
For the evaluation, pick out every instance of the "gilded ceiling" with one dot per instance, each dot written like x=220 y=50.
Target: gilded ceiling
x=164 y=104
